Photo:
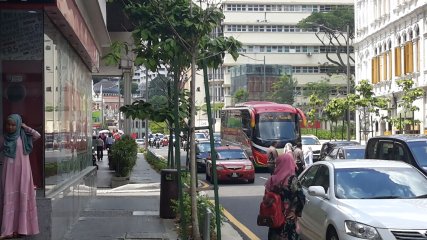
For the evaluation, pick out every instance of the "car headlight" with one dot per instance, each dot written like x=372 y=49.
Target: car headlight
x=361 y=230
x=248 y=167
x=219 y=167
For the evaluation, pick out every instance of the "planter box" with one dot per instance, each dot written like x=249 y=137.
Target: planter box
x=119 y=181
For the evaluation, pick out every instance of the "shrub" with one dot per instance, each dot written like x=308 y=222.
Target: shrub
x=156 y=163
x=124 y=154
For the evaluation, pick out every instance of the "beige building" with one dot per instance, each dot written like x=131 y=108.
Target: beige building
x=390 y=45
x=272 y=46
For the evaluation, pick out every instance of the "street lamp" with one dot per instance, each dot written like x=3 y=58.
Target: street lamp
x=347 y=44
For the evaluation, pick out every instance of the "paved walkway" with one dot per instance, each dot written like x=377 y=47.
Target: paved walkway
x=130 y=211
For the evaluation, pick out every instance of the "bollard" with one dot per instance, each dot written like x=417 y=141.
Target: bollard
x=168 y=192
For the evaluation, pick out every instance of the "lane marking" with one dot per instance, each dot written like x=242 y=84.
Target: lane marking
x=239 y=225
x=264 y=178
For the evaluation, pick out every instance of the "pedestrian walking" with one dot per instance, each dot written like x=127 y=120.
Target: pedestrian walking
x=285 y=182
x=109 y=141
x=308 y=157
x=288 y=148
x=299 y=158
x=18 y=199
x=272 y=155
x=99 y=148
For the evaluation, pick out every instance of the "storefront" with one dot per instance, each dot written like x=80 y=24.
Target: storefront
x=47 y=56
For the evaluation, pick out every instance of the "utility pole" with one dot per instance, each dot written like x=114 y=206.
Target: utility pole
x=146 y=100
x=264 y=83
x=348 y=79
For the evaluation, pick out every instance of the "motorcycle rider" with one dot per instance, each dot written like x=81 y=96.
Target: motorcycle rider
x=157 y=141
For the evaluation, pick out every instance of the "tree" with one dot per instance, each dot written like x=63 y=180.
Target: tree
x=335 y=110
x=364 y=99
x=332 y=32
x=241 y=95
x=284 y=90
x=177 y=34
x=316 y=105
x=322 y=89
x=409 y=95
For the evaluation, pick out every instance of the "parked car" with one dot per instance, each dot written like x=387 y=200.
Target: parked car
x=363 y=199
x=313 y=142
x=200 y=136
x=347 y=152
x=411 y=149
x=328 y=146
x=232 y=163
x=203 y=150
x=217 y=137
x=140 y=142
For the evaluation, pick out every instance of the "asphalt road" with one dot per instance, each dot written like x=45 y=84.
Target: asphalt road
x=241 y=200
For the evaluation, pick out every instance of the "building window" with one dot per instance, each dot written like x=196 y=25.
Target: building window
x=408 y=57
x=397 y=62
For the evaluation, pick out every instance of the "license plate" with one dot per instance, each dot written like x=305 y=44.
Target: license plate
x=234 y=175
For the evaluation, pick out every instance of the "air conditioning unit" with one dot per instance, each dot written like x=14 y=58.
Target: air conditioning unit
x=309 y=54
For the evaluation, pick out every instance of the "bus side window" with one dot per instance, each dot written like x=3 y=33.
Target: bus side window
x=246 y=123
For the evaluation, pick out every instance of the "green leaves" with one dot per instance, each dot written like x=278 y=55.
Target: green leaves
x=241 y=95
x=283 y=90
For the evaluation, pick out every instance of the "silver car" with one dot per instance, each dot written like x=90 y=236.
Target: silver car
x=363 y=199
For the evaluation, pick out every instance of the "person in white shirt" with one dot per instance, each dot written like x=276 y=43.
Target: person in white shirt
x=308 y=157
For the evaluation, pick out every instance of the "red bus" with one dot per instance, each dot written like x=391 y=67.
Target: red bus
x=256 y=125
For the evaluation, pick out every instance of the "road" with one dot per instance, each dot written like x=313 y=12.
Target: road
x=240 y=200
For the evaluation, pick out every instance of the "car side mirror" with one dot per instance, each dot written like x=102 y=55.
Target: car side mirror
x=317 y=191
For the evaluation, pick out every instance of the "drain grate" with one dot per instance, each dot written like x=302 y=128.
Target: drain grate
x=146 y=236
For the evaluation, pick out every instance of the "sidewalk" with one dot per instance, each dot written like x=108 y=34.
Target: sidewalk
x=130 y=211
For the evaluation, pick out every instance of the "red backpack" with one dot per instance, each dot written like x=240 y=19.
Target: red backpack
x=271 y=211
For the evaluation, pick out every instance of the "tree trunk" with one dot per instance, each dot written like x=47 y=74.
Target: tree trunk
x=193 y=167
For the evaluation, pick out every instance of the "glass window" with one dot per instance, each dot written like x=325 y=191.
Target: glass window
x=419 y=149
x=70 y=121
x=231 y=154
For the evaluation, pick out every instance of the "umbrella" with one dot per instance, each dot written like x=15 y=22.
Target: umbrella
x=104 y=131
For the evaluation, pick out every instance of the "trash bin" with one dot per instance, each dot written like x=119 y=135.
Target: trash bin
x=168 y=192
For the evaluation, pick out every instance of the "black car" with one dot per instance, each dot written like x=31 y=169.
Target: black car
x=203 y=150
x=411 y=149
x=347 y=152
x=327 y=147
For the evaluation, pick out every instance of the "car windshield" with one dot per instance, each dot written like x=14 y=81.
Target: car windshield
x=275 y=126
x=379 y=183
x=419 y=149
x=231 y=154
x=310 y=141
x=206 y=147
x=355 y=153
x=200 y=135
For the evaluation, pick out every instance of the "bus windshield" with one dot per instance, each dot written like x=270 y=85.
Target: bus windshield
x=276 y=126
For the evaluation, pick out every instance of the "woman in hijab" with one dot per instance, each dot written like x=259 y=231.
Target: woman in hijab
x=286 y=183
x=18 y=207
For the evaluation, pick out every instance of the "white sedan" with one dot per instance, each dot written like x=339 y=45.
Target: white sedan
x=363 y=199
x=313 y=142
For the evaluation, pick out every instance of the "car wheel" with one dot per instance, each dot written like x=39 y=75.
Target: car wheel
x=332 y=234
x=251 y=180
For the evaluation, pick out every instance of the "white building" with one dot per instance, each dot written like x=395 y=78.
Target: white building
x=271 y=41
x=390 y=45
